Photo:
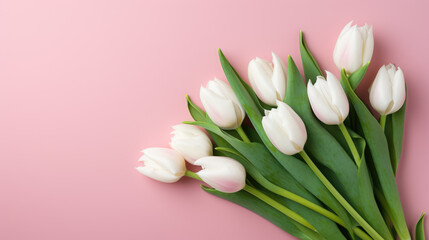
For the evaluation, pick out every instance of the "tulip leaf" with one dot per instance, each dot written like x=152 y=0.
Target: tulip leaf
x=264 y=210
x=309 y=63
x=260 y=160
x=355 y=79
x=357 y=76
x=295 y=167
x=372 y=213
x=379 y=150
x=197 y=113
x=330 y=153
x=420 y=231
x=394 y=134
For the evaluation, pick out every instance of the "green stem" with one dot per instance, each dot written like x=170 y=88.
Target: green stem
x=286 y=211
x=242 y=134
x=293 y=197
x=351 y=144
x=289 y=195
x=340 y=198
x=298 y=199
x=383 y=121
x=255 y=192
x=192 y=175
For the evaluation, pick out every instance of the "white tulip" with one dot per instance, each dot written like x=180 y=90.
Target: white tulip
x=354 y=47
x=328 y=99
x=162 y=164
x=285 y=129
x=191 y=142
x=222 y=173
x=222 y=105
x=387 y=92
x=268 y=80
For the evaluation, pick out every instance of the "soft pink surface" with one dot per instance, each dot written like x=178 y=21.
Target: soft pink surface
x=85 y=85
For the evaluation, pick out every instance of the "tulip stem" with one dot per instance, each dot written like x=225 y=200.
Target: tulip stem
x=242 y=134
x=273 y=203
x=192 y=175
x=340 y=198
x=306 y=203
x=351 y=144
x=383 y=121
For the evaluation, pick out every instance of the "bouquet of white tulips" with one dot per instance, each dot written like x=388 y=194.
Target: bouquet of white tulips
x=314 y=160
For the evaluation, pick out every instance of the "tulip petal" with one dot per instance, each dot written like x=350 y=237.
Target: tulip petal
x=279 y=77
x=369 y=46
x=380 y=94
x=158 y=174
x=221 y=110
x=293 y=125
x=278 y=137
x=260 y=73
x=341 y=47
x=165 y=159
x=191 y=142
x=223 y=89
x=353 y=57
x=192 y=148
x=346 y=28
x=222 y=173
x=186 y=131
x=338 y=96
x=320 y=105
x=398 y=88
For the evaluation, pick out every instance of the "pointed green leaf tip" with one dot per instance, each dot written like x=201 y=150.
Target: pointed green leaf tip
x=420 y=231
x=309 y=63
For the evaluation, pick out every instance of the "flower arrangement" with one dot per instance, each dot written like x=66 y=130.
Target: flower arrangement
x=314 y=160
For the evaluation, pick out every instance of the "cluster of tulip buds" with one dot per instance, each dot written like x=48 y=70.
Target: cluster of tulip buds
x=191 y=144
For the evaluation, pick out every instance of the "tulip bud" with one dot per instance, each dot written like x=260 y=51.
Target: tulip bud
x=191 y=142
x=222 y=173
x=328 y=99
x=162 y=164
x=354 y=47
x=285 y=129
x=387 y=92
x=268 y=80
x=222 y=105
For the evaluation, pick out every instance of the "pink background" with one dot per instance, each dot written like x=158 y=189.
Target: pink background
x=85 y=85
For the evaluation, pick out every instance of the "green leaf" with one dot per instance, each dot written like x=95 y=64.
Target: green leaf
x=420 y=231
x=394 y=134
x=309 y=63
x=355 y=79
x=197 y=113
x=371 y=213
x=379 y=150
x=357 y=76
x=257 y=206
